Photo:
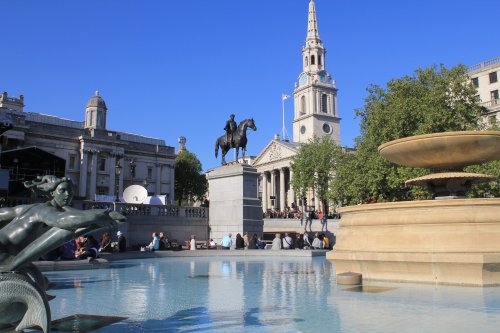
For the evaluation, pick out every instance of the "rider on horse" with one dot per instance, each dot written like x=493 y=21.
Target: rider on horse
x=230 y=129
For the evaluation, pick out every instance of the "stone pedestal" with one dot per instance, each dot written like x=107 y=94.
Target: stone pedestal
x=234 y=203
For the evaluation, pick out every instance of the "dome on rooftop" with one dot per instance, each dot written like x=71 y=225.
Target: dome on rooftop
x=97 y=101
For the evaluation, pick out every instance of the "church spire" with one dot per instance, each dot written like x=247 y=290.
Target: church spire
x=312 y=25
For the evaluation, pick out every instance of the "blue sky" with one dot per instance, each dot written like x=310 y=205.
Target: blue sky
x=169 y=68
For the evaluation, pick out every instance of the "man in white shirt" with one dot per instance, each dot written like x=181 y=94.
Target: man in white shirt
x=287 y=242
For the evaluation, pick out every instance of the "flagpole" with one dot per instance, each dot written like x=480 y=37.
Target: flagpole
x=283 y=116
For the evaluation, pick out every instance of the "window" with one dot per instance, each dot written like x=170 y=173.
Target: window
x=72 y=161
x=150 y=173
x=132 y=169
x=493 y=77
x=302 y=129
x=102 y=164
x=494 y=95
x=102 y=190
x=475 y=82
x=319 y=59
x=324 y=103
x=307 y=61
x=312 y=60
x=303 y=105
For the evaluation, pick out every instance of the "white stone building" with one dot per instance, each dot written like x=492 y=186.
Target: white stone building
x=485 y=77
x=315 y=114
x=98 y=160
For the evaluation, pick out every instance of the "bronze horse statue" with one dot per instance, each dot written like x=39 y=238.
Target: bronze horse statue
x=239 y=140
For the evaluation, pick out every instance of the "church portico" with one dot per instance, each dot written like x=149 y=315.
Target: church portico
x=276 y=189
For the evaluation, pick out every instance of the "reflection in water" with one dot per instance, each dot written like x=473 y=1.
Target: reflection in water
x=233 y=294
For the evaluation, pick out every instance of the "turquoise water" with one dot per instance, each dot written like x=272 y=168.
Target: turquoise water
x=264 y=295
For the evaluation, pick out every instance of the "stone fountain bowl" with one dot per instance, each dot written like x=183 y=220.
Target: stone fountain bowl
x=444 y=151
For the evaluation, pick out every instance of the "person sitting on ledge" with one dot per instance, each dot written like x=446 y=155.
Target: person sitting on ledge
x=155 y=243
x=106 y=243
x=276 y=242
x=89 y=250
x=211 y=244
x=240 y=242
x=226 y=242
x=317 y=243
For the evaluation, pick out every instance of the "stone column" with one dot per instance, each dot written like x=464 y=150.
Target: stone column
x=82 y=187
x=120 y=180
x=282 y=189
x=112 y=175
x=158 y=179
x=172 y=183
x=273 y=188
x=291 y=192
x=265 y=195
x=93 y=175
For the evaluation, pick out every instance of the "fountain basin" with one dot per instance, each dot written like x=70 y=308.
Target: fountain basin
x=432 y=241
x=447 y=150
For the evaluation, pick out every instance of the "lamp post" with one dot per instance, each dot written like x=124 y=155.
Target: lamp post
x=118 y=171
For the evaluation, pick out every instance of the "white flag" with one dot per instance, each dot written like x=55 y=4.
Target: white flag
x=285 y=96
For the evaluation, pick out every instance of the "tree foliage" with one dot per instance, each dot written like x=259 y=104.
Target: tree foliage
x=190 y=183
x=314 y=167
x=432 y=100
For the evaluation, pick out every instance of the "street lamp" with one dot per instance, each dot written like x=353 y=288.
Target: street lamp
x=118 y=171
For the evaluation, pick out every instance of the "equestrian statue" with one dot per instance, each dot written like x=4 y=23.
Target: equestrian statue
x=235 y=137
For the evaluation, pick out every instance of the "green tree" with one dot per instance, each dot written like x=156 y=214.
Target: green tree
x=432 y=100
x=314 y=167
x=190 y=183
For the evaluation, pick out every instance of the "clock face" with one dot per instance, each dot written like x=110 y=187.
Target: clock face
x=302 y=129
x=326 y=128
x=302 y=80
x=323 y=77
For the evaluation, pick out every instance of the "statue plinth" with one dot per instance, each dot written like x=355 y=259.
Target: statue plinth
x=234 y=203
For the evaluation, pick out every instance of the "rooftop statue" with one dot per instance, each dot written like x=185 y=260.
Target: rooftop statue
x=28 y=232
x=235 y=137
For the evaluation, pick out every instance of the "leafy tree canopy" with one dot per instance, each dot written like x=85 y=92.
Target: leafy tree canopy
x=190 y=183
x=430 y=101
x=314 y=167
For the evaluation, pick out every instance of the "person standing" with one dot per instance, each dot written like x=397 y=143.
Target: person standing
x=226 y=242
x=192 y=243
x=122 y=242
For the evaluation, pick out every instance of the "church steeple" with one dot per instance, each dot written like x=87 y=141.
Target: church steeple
x=315 y=94
x=312 y=25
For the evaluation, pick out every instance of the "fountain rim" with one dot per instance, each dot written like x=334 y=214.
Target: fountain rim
x=437 y=136
x=420 y=204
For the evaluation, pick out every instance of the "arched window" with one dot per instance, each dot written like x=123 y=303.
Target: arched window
x=306 y=61
x=319 y=59
x=303 y=105
x=324 y=103
x=312 y=60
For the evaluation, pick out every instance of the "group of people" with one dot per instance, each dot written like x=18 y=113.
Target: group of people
x=242 y=242
x=87 y=247
x=159 y=242
x=301 y=241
